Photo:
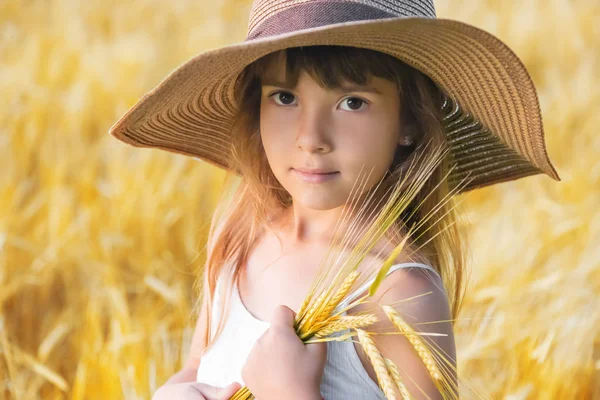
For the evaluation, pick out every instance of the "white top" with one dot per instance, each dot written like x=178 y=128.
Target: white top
x=344 y=377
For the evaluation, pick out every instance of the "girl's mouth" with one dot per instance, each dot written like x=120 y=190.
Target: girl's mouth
x=312 y=177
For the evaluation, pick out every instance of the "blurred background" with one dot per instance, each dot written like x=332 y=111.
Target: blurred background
x=100 y=243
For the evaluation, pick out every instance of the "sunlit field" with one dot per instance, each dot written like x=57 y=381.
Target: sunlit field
x=100 y=243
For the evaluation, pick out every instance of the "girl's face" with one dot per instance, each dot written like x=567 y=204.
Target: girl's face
x=333 y=132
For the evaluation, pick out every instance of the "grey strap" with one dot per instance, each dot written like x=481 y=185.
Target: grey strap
x=352 y=296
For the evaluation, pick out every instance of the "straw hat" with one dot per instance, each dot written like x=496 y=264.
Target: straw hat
x=493 y=117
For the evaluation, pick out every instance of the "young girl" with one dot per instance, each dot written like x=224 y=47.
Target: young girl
x=320 y=91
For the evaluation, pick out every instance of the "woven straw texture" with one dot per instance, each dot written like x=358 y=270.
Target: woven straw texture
x=493 y=117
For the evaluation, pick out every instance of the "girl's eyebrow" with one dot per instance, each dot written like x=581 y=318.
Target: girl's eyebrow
x=270 y=82
x=347 y=88
x=359 y=88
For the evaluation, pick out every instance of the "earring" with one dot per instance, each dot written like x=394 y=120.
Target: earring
x=407 y=141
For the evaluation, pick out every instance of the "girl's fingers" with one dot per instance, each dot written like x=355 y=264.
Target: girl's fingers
x=283 y=316
x=229 y=391
x=218 y=393
x=318 y=351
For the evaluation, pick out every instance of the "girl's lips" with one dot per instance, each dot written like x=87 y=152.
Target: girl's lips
x=314 y=177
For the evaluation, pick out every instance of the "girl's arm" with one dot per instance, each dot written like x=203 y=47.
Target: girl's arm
x=426 y=313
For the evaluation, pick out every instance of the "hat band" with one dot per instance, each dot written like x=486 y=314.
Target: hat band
x=313 y=15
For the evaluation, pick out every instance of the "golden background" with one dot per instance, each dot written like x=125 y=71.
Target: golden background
x=100 y=242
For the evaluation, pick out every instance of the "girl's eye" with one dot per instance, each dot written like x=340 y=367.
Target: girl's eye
x=354 y=103
x=283 y=98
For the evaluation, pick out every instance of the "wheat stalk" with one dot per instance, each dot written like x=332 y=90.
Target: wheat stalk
x=345 y=323
x=383 y=376
x=304 y=324
x=397 y=378
x=344 y=290
x=320 y=314
x=414 y=339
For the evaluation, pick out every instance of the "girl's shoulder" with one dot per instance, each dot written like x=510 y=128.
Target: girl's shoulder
x=409 y=254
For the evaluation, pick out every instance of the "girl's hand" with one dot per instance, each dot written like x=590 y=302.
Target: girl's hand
x=280 y=366
x=195 y=391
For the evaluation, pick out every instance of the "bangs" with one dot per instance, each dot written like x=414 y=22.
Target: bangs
x=330 y=66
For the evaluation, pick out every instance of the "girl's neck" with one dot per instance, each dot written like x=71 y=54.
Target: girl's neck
x=302 y=226
x=296 y=231
x=283 y=226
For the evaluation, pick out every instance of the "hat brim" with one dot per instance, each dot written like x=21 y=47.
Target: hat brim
x=497 y=132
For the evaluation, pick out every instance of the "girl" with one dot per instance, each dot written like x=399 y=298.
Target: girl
x=319 y=91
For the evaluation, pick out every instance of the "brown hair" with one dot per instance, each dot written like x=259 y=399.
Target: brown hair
x=238 y=222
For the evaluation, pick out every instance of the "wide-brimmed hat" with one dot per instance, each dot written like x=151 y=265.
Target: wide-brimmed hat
x=492 y=113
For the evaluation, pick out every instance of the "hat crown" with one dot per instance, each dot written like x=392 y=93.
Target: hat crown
x=272 y=17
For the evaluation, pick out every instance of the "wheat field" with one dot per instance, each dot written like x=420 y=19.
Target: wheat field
x=100 y=243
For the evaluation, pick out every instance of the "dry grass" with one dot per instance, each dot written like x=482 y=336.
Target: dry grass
x=99 y=243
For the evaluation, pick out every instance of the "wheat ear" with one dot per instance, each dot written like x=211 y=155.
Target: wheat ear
x=312 y=313
x=348 y=322
x=317 y=316
x=242 y=394
x=395 y=373
x=341 y=293
x=383 y=376
x=414 y=339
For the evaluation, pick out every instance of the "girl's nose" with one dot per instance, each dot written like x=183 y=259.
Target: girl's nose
x=312 y=135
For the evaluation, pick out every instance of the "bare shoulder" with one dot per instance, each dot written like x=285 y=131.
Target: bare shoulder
x=419 y=284
x=417 y=295
x=415 y=291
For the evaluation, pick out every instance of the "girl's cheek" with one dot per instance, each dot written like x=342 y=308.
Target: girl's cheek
x=277 y=125
x=363 y=132
x=371 y=140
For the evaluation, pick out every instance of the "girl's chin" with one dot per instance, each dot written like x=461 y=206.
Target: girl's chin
x=318 y=201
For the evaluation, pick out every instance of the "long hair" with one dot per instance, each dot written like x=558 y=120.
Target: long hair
x=238 y=222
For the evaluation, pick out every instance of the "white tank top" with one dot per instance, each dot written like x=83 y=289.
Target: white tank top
x=344 y=376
